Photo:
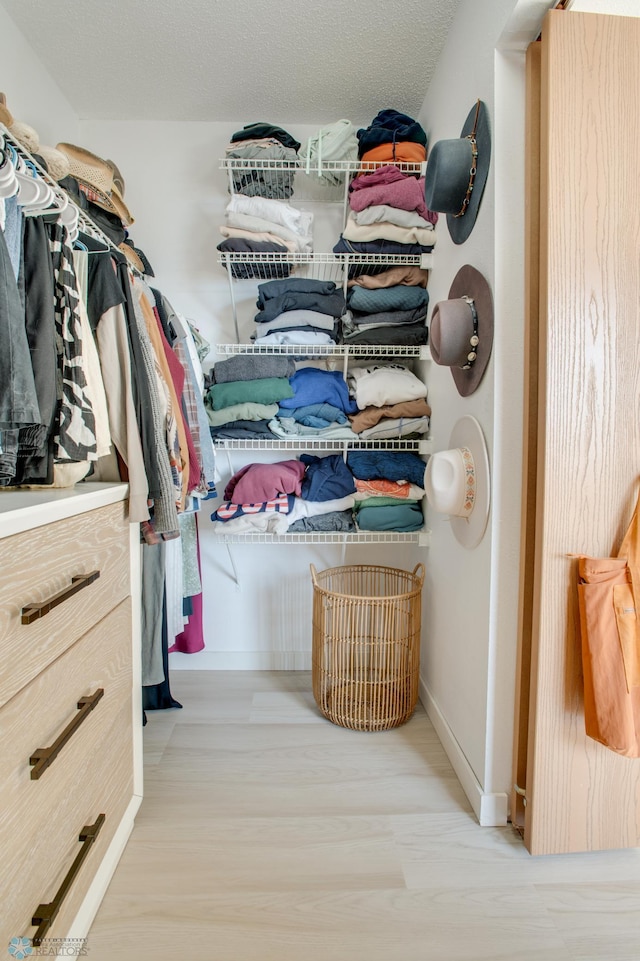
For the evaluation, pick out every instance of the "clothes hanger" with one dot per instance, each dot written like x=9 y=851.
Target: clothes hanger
x=8 y=179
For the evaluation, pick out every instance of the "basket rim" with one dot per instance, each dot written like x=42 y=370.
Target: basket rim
x=344 y=568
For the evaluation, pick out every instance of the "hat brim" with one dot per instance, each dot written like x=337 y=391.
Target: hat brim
x=470 y=282
x=132 y=256
x=470 y=530
x=461 y=227
x=6 y=117
x=120 y=207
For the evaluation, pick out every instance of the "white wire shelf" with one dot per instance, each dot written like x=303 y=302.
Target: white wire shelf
x=322 y=167
x=326 y=181
x=339 y=261
x=416 y=445
x=340 y=268
x=328 y=350
x=422 y=538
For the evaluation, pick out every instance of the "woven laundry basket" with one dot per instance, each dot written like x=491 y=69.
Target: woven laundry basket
x=366 y=644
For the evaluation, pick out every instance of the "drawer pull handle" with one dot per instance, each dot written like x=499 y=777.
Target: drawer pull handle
x=32 y=612
x=45 y=914
x=44 y=756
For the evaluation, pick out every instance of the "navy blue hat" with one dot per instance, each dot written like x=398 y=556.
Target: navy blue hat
x=457 y=173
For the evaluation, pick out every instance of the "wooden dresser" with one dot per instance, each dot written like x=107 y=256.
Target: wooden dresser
x=70 y=704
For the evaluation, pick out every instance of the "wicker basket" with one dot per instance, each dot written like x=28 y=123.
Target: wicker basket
x=366 y=644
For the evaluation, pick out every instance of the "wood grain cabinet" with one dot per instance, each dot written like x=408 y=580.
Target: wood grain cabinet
x=582 y=451
x=70 y=713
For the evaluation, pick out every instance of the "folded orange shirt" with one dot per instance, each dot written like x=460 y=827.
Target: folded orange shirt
x=391 y=488
x=403 y=151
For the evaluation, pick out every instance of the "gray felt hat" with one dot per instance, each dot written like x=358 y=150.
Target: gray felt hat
x=461 y=329
x=457 y=173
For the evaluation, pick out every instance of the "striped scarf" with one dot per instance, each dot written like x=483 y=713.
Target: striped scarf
x=75 y=436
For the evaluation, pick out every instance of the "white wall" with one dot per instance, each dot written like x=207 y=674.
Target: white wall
x=470 y=604
x=33 y=96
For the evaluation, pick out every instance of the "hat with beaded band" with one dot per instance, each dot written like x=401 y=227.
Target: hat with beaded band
x=457 y=173
x=461 y=329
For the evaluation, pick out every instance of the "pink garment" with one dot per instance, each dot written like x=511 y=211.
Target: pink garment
x=191 y=640
x=257 y=483
x=391 y=186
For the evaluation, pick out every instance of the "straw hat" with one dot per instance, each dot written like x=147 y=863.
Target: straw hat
x=55 y=163
x=97 y=178
x=461 y=329
x=457 y=482
x=457 y=173
x=23 y=133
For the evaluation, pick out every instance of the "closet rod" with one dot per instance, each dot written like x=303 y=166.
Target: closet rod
x=87 y=224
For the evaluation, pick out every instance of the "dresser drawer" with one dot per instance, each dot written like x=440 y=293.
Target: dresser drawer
x=37 y=815
x=39 y=564
x=106 y=789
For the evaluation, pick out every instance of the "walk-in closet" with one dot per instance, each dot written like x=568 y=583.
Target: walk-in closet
x=317 y=364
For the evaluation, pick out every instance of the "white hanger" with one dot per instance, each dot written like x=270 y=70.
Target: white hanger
x=8 y=179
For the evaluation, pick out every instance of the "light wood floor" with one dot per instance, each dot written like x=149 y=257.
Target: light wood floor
x=269 y=834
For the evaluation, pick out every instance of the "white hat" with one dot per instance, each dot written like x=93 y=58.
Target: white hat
x=457 y=482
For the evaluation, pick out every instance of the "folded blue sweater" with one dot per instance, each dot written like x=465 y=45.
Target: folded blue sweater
x=313 y=386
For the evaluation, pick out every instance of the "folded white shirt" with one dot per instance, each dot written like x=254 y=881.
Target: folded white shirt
x=271 y=523
x=363 y=233
x=276 y=211
x=260 y=236
x=303 y=508
x=304 y=242
x=383 y=213
x=380 y=385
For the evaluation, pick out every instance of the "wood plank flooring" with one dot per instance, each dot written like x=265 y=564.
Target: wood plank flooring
x=269 y=834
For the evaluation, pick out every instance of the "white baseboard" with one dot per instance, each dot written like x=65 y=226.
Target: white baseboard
x=491 y=810
x=241 y=661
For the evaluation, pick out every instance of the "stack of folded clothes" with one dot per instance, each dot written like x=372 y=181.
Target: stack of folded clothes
x=263 y=141
x=389 y=488
x=386 y=315
x=312 y=493
x=259 y=225
x=245 y=394
x=318 y=408
x=391 y=403
x=298 y=311
x=387 y=210
x=327 y=496
x=373 y=491
x=360 y=327
x=388 y=215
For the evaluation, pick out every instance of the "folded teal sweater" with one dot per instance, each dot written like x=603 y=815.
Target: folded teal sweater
x=266 y=390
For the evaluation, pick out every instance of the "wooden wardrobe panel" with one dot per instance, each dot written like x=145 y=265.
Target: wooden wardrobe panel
x=530 y=424
x=580 y=795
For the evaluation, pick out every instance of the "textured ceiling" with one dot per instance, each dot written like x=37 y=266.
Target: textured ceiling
x=220 y=60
